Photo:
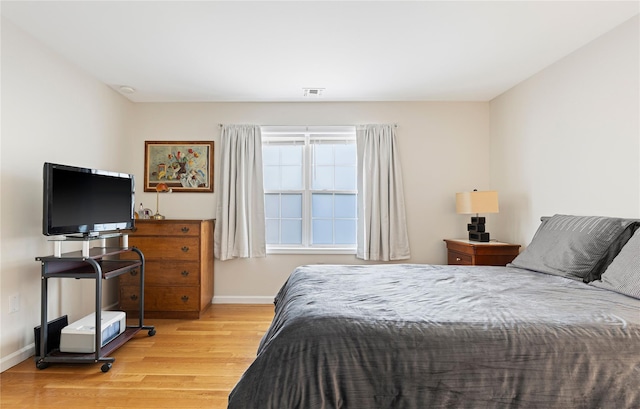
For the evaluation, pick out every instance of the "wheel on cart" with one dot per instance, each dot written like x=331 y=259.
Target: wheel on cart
x=152 y=332
x=42 y=365
x=105 y=367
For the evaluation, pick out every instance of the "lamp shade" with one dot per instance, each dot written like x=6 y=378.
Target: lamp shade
x=477 y=202
x=162 y=187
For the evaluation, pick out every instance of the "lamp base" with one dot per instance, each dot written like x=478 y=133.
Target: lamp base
x=481 y=237
x=158 y=216
x=476 y=229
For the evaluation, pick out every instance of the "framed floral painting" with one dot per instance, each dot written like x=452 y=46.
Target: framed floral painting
x=182 y=166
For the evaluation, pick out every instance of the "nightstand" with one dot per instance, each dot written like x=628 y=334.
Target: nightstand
x=473 y=253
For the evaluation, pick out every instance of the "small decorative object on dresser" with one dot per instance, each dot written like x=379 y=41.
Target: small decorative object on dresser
x=178 y=268
x=473 y=253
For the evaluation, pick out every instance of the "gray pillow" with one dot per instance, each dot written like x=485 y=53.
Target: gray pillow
x=577 y=247
x=623 y=274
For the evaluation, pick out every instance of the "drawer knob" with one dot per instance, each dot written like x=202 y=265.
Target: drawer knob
x=133 y=272
x=185 y=248
x=185 y=273
x=133 y=297
x=458 y=259
x=185 y=229
x=185 y=298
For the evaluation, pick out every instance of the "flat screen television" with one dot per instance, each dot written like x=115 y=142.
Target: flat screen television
x=86 y=202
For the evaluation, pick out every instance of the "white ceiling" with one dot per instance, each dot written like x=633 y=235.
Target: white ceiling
x=355 y=50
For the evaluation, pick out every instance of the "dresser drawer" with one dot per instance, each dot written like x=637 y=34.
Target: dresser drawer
x=153 y=228
x=161 y=298
x=183 y=273
x=167 y=248
x=460 y=259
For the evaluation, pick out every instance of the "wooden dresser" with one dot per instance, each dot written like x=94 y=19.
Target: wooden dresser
x=178 y=269
x=474 y=253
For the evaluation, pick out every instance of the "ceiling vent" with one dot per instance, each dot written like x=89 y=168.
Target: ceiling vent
x=313 y=92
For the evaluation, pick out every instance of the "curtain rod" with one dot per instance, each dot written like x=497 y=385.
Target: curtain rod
x=394 y=125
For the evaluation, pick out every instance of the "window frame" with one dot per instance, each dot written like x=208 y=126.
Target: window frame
x=306 y=135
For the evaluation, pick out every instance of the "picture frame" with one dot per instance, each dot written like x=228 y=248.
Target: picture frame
x=184 y=166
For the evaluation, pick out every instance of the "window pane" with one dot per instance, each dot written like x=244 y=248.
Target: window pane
x=345 y=178
x=270 y=155
x=322 y=205
x=322 y=232
x=272 y=205
x=346 y=154
x=291 y=177
x=322 y=178
x=323 y=154
x=345 y=231
x=272 y=231
x=292 y=206
x=291 y=232
x=271 y=177
x=291 y=154
x=345 y=206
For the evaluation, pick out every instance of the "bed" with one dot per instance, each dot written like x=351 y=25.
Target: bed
x=428 y=336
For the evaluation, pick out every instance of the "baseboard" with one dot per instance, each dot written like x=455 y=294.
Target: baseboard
x=232 y=299
x=17 y=357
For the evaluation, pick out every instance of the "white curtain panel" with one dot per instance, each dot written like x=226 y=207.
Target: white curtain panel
x=382 y=227
x=240 y=222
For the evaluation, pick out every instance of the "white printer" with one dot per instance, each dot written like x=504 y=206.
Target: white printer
x=79 y=337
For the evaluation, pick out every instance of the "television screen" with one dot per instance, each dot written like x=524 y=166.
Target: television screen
x=86 y=201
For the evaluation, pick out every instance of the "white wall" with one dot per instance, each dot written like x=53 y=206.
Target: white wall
x=439 y=146
x=567 y=140
x=51 y=111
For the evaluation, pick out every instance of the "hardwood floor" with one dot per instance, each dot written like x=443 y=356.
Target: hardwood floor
x=187 y=364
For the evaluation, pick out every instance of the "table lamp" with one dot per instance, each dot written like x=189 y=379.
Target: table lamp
x=475 y=203
x=160 y=187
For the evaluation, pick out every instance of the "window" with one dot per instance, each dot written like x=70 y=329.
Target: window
x=310 y=189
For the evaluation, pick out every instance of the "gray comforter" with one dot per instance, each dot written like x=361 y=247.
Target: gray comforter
x=421 y=336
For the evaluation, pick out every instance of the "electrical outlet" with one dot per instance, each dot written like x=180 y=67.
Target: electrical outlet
x=14 y=303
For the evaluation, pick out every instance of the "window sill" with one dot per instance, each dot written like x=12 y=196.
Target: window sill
x=311 y=250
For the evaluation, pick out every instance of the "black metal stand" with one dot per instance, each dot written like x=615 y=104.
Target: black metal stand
x=100 y=263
